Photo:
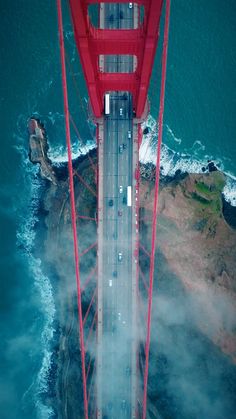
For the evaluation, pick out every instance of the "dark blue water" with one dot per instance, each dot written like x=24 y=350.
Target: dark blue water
x=199 y=121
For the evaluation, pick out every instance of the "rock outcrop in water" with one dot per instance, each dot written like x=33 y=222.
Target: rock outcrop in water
x=38 y=149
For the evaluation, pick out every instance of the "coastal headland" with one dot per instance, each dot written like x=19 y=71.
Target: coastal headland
x=195 y=263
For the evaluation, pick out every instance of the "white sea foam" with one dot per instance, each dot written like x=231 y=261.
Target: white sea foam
x=172 y=135
x=230 y=190
x=171 y=161
x=54 y=117
x=26 y=239
x=58 y=154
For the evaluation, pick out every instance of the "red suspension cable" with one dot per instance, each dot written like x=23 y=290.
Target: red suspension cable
x=88 y=279
x=89 y=365
x=143 y=279
x=88 y=249
x=90 y=330
x=152 y=259
x=72 y=199
x=84 y=144
x=91 y=382
x=144 y=250
x=85 y=217
x=85 y=183
x=89 y=307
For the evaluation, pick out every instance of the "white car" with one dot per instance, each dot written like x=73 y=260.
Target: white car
x=121 y=189
x=129 y=135
x=110 y=282
x=121 y=111
x=130 y=5
x=120 y=256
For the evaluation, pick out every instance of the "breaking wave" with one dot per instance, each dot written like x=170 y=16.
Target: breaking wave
x=26 y=241
x=58 y=154
x=171 y=161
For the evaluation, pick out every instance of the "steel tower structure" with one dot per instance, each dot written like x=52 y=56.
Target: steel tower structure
x=140 y=42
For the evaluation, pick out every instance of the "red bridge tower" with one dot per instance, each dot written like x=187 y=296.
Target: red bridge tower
x=140 y=42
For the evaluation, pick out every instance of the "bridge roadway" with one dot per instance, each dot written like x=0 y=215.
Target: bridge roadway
x=117 y=338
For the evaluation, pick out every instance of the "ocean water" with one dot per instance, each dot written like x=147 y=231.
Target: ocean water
x=199 y=125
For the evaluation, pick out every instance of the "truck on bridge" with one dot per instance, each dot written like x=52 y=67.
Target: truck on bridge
x=129 y=196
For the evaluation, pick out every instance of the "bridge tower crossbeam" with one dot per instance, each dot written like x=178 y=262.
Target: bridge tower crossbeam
x=94 y=42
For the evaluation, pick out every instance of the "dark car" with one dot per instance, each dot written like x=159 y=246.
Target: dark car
x=121 y=148
x=124 y=146
x=111 y=203
x=124 y=200
x=114 y=274
x=120 y=213
x=111 y=18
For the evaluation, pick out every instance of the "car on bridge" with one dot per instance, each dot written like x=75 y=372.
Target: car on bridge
x=124 y=405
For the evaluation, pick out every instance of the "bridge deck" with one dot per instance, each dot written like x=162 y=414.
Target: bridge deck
x=117 y=234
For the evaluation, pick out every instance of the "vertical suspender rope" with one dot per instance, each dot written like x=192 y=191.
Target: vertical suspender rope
x=152 y=259
x=72 y=199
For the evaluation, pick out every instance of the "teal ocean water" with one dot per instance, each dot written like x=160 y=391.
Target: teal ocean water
x=200 y=124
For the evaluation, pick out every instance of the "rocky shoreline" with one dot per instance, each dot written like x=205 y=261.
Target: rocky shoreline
x=195 y=236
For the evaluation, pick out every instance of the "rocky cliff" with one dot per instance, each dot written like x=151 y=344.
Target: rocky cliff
x=200 y=247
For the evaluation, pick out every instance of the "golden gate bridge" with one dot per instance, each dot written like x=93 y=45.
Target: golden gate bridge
x=117 y=57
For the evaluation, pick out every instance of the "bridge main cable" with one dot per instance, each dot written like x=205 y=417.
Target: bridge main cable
x=72 y=199
x=154 y=224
